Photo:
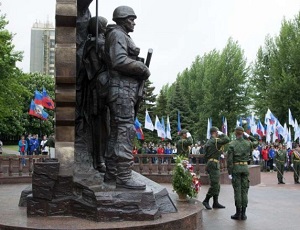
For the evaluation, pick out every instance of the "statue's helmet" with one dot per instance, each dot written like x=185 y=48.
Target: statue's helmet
x=123 y=12
x=101 y=26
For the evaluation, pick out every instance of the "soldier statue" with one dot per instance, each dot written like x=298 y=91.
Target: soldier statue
x=95 y=90
x=126 y=72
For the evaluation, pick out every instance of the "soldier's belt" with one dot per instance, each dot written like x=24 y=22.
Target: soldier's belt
x=240 y=163
x=214 y=160
x=297 y=160
x=280 y=161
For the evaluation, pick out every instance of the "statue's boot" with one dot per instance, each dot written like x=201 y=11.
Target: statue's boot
x=111 y=171
x=125 y=179
x=101 y=168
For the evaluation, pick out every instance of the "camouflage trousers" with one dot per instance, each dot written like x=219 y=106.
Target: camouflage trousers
x=240 y=184
x=296 y=170
x=280 y=170
x=213 y=169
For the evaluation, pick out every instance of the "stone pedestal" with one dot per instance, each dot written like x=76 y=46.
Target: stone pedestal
x=54 y=194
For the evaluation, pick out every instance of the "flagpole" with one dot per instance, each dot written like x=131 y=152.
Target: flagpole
x=97 y=25
x=40 y=128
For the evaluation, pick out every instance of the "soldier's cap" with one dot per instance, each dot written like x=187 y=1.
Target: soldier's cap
x=239 y=128
x=213 y=129
x=183 y=131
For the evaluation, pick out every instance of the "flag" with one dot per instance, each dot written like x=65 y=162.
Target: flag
x=209 y=125
x=289 y=141
x=297 y=134
x=237 y=123
x=268 y=131
x=37 y=111
x=163 y=128
x=178 y=122
x=291 y=120
x=280 y=129
x=138 y=129
x=295 y=125
x=157 y=127
x=224 y=126
x=270 y=118
x=286 y=132
x=168 y=133
x=253 y=126
x=260 y=129
x=47 y=101
x=38 y=98
x=148 y=122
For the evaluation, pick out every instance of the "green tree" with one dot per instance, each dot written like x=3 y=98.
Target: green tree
x=215 y=85
x=177 y=102
x=281 y=71
x=11 y=92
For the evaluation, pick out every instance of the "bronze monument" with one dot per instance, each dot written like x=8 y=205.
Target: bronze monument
x=95 y=180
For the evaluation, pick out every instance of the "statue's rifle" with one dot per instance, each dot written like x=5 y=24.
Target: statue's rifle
x=142 y=85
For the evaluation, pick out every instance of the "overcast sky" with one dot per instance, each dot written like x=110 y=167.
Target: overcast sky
x=177 y=31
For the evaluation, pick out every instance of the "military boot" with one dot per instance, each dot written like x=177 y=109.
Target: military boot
x=243 y=214
x=206 y=202
x=111 y=171
x=216 y=203
x=237 y=215
x=124 y=177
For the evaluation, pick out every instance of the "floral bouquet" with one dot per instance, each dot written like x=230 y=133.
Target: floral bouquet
x=184 y=179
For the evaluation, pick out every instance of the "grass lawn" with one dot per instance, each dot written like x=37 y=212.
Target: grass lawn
x=11 y=147
x=8 y=155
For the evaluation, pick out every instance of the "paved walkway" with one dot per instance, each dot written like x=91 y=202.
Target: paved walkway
x=271 y=206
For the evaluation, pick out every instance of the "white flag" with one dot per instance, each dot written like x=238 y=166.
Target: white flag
x=157 y=126
x=291 y=120
x=148 y=122
x=209 y=125
x=289 y=142
x=168 y=129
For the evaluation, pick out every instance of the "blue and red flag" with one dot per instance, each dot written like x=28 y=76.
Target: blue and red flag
x=38 y=98
x=260 y=129
x=47 y=102
x=37 y=111
x=138 y=129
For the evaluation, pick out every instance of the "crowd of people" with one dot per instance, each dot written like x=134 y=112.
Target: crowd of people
x=277 y=157
x=33 y=145
x=168 y=148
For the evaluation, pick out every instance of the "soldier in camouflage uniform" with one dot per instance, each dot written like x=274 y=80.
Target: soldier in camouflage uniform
x=238 y=154
x=213 y=152
x=126 y=73
x=183 y=145
x=295 y=159
x=280 y=159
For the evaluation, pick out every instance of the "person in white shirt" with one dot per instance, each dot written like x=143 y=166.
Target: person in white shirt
x=45 y=149
x=256 y=156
